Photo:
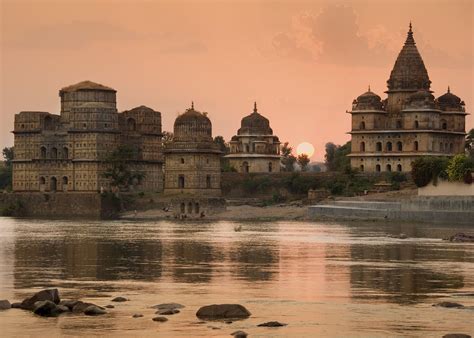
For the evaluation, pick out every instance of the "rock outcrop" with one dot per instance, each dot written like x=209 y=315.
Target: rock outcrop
x=223 y=311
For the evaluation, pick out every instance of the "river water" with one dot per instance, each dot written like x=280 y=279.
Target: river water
x=322 y=279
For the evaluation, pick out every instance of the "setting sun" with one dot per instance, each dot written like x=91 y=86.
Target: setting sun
x=305 y=148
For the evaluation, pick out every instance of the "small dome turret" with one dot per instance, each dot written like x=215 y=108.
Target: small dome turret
x=255 y=124
x=192 y=125
x=449 y=101
x=368 y=101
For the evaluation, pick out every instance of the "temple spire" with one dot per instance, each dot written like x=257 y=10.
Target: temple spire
x=410 y=40
x=369 y=88
x=192 y=105
x=255 y=107
x=449 y=90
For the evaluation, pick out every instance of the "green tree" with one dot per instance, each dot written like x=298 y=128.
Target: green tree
x=469 y=145
x=427 y=169
x=6 y=171
x=119 y=170
x=288 y=160
x=459 y=166
x=303 y=161
x=336 y=158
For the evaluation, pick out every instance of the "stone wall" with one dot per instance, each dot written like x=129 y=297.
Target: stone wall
x=445 y=188
x=60 y=205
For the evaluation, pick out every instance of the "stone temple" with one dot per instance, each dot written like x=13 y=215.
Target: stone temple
x=255 y=149
x=388 y=135
x=193 y=167
x=66 y=152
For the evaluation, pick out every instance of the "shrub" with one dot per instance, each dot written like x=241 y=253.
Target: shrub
x=458 y=166
x=299 y=184
x=427 y=169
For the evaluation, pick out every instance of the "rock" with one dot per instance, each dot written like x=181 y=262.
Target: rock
x=16 y=305
x=160 y=319
x=239 y=334
x=50 y=294
x=456 y=335
x=166 y=312
x=93 y=310
x=137 y=315
x=223 y=311
x=110 y=306
x=119 y=299
x=81 y=306
x=5 y=304
x=62 y=308
x=449 y=305
x=168 y=306
x=228 y=322
x=272 y=324
x=69 y=303
x=461 y=237
x=46 y=308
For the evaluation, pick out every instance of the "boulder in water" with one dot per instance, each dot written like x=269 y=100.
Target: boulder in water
x=50 y=294
x=46 y=308
x=119 y=299
x=449 y=305
x=94 y=310
x=5 y=304
x=272 y=324
x=160 y=319
x=223 y=311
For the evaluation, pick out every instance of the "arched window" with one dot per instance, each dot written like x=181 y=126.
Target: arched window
x=378 y=146
x=131 y=124
x=253 y=147
x=183 y=208
x=65 y=180
x=399 y=146
x=399 y=124
x=43 y=152
x=399 y=167
x=53 y=184
x=451 y=148
x=54 y=153
x=42 y=181
x=196 y=208
x=247 y=148
x=208 y=181
x=377 y=168
x=361 y=167
x=270 y=167
x=362 y=125
x=190 y=208
x=389 y=146
x=181 y=181
x=65 y=152
x=417 y=125
x=389 y=167
x=446 y=147
x=362 y=146
x=415 y=147
x=444 y=124
x=182 y=160
x=441 y=147
x=245 y=167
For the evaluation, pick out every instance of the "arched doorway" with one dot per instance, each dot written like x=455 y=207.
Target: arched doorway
x=65 y=182
x=190 y=208
x=196 y=208
x=43 y=153
x=53 y=184
x=208 y=181
x=399 y=167
x=377 y=168
x=389 y=167
x=54 y=153
x=131 y=124
x=245 y=167
x=183 y=208
x=270 y=167
x=181 y=181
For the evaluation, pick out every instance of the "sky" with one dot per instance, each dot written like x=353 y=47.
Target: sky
x=304 y=62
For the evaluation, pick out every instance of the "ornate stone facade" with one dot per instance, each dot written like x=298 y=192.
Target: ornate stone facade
x=65 y=152
x=192 y=159
x=255 y=149
x=388 y=135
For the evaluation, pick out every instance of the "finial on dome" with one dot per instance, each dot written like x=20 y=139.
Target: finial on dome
x=410 y=39
x=369 y=88
x=192 y=105
x=449 y=90
x=410 y=27
x=255 y=107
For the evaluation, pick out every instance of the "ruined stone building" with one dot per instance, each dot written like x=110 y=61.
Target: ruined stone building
x=255 y=149
x=389 y=134
x=66 y=152
x=192 y=166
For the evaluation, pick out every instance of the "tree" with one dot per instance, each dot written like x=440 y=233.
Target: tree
x=459 y=166
x=6 y=171
x=427 y=169
x=119 y=171
x=287 y=158
x=336 y=157
x=223 y=146
x=470 y=143
x=303 y=161
x=167 y=138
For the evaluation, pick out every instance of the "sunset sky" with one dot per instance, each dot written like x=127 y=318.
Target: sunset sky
x=302 y=61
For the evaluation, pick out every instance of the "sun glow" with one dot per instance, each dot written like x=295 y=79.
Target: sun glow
x=305 y=148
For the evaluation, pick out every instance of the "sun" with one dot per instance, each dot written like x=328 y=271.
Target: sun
x=305 y=148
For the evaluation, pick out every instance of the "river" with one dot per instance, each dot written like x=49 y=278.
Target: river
x=322 y=279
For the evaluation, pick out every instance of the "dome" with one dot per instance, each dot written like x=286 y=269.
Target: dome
x=86 y=85
x=450 y=101
x=368 y=101
x=192 y=125
x=421 y=99
x=255 y=124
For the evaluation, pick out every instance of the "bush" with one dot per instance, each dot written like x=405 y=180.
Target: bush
x=427 y=169
x=458 y=167
x=298 y=184
x=253 y=184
